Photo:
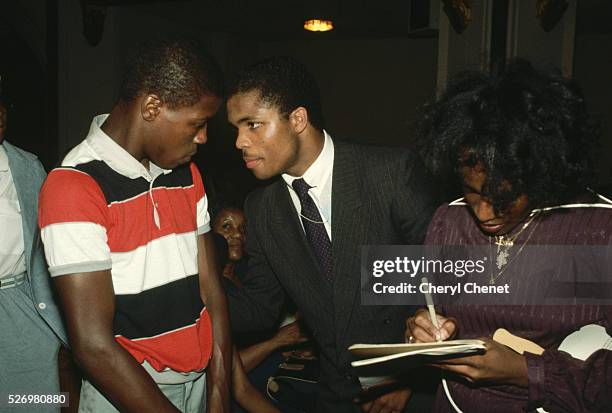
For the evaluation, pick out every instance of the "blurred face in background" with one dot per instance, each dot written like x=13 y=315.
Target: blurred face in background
x=229 y=223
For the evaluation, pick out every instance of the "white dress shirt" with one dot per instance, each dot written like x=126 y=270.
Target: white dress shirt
x=12 y=259
x=319 y=177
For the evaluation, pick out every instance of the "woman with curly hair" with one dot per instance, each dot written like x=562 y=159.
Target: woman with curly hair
x=517 y=144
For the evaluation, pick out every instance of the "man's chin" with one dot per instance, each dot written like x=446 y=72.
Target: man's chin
x=261 y=175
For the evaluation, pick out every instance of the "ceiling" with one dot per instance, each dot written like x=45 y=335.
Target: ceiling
x=282 y=19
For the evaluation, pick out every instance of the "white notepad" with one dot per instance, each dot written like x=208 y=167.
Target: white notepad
x=370 y=354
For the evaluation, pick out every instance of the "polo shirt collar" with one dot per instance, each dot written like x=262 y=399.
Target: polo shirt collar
x=115 y=156
x=317 y=173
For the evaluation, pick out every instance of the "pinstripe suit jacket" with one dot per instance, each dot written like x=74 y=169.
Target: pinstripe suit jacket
x=379 y=196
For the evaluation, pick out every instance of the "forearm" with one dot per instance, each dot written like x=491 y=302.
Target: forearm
x=117 y=375
x=245 y=393
x=218 y=391
x=252 y=356
x=253 y=401
x=213 y=295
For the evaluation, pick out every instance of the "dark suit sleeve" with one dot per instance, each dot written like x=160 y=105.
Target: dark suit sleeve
x=414 y=202
x=257 y=305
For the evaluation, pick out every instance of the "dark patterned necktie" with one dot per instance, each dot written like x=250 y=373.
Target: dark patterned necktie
x=314 y=228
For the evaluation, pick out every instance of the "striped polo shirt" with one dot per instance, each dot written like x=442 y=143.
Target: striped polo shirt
x=103 y=210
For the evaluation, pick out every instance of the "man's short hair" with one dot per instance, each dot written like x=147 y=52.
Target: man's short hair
x=178 y=70
x=285 y=83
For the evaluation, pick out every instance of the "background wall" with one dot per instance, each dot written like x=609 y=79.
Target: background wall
x=372 y=83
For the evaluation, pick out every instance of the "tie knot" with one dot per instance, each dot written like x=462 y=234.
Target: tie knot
x=301 y=187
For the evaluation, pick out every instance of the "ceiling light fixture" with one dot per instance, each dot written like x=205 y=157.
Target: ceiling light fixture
x=318 y=25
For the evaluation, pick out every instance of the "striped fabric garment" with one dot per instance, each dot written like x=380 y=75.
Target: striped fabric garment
x=557 y=381
x=144 y=230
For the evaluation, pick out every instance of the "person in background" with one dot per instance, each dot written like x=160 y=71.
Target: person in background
x=126 y=231
x=230 y=224
x=31 y=328
x=262 y=356
x=518 y=145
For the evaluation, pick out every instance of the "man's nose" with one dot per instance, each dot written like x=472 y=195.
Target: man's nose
x=242 y=142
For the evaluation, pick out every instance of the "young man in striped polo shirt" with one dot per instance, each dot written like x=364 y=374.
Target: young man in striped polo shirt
x=125 y=227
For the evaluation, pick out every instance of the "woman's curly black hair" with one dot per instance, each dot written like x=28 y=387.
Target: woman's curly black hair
x=529 y=131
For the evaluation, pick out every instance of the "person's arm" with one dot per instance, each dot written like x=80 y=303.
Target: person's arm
x=89 y=309
x=245 y=393
x=211 y=291
x=415 y=200
x=288 y=335
x=555 y=380
x=257 y=305
x=69 y=378
x=559 y=382
x=393 y=401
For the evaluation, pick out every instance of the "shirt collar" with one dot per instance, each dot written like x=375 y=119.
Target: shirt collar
x=4 y=165
x=319 y=171
x=116 y=156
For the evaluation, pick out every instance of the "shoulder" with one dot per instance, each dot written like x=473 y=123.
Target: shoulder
x=25 y=166
x=15 y=152
x=581 y=224
x=376 y=163
x=64 y=184
x=372 y=154
x=70 y=195
x=449 y=218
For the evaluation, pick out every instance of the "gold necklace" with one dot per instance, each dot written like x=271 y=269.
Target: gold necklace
x=509 y=241
x=504 y=244
x=503 y=250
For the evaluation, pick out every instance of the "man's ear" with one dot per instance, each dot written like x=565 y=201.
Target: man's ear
x=150 y=107
x=299 y=119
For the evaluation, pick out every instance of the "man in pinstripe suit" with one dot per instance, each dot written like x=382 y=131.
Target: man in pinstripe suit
x=305 y=230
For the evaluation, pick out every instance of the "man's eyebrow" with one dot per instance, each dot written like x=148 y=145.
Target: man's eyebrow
x=244 y=119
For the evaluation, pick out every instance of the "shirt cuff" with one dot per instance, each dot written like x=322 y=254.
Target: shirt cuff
x=80 y=267
x=536 y=377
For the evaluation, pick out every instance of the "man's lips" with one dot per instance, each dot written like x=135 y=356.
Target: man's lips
x=251 y=162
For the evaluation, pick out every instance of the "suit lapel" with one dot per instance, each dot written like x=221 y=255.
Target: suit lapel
x=27 y=193
x=348 y=228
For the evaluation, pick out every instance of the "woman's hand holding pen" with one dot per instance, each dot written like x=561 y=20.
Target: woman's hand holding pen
x=420 y=329
x=499 y=364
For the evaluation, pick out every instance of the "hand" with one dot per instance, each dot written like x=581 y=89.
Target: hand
x=392 y=402
x=290 y=335
x=422 y=330
x=499 y=365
